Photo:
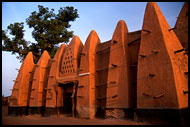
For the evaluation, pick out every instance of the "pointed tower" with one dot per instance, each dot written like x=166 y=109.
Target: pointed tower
x=118 y=83
x=19 y=100
x=162 y=66
x=51 y=90
x=87 y=72
x=67 y=79
x=181 y=26
x=38 y=93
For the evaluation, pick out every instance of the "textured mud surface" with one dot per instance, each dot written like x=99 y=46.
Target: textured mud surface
x=61 y=120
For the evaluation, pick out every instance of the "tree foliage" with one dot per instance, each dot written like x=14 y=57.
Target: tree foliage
x=49 y=30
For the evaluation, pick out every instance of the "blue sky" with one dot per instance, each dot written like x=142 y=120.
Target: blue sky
x=99 y=16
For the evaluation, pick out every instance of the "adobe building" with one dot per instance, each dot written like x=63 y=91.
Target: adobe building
x=162 y=76
x=135 y=75
x=181 y=26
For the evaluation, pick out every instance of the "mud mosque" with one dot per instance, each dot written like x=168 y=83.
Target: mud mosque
x=134 y=74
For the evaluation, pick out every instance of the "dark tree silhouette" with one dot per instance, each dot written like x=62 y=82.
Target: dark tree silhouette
x=49 y=30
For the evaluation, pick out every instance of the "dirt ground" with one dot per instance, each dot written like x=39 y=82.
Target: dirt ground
x=61 y=120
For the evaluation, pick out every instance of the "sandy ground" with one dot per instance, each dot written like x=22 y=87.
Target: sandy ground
x=61 y=120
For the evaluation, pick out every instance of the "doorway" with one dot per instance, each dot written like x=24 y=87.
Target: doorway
x=67 y=100
x=69 y=92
